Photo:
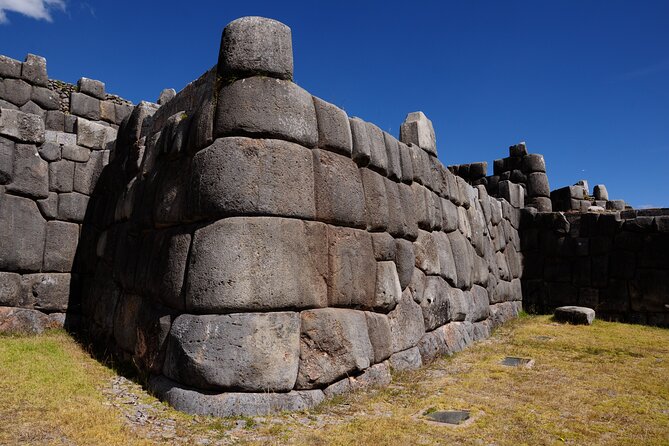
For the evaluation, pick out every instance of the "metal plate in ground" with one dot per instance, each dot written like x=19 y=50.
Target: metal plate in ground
x=512 y=361
x=449 y=416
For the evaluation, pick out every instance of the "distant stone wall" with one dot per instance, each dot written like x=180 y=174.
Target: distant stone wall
x=615 y=263
x=52 y=151
x=253 y=248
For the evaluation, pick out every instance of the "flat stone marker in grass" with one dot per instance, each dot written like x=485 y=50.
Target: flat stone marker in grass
x=512 y=361
x=575 y=315
x=448 y=416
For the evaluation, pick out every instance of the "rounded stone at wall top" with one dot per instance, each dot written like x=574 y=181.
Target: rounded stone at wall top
x=256 y=46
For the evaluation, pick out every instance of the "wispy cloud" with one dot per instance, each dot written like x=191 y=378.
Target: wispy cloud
x=644 y=71
x=36 y=9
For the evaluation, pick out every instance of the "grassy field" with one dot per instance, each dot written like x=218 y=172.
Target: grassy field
x=607 y=384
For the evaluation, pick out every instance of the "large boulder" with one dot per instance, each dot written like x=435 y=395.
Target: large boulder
x=575 y=315
x=252 y=352
x=334 y=343
x=228 y=258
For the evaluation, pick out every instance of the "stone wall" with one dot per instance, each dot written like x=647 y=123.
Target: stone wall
x=54 y=141
x=253 y=248
x=615 y=263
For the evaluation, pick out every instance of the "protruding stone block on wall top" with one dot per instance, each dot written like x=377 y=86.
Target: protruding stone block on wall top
x=253 y=46
x=417 y=129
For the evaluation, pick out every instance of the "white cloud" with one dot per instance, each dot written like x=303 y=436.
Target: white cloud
x=37 y=9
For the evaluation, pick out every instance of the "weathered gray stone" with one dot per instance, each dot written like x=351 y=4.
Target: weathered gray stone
x=401 y=223
x=55 y=120
x=228 y=404
x=518 y=150
x=72 y=206
x=406 y=323
x=446 y=260
x=24 y=321
x=75 y=153
x=600 y=192
x=263 y=106
x=362 y=149
x=50 y=151
x=45 y=98
x=61 y=246
x=10 y=289
x=406 y=360
x=388 y=290
x=256 y=46
x=49 y=206
x=417 y=129
x=228 y=255
x=384 y=246
x=379 y=335
x=6 y=160
x=85 y=106
x=462 y=251
x=243 y=176
x=33 y=70
x=479 y=306
x=406 y=163
x=31 y=173
x=533 y=162
x=615 y=205
x=537 y=185
x=334 y=343
x=512 y=193
x=393 y=155
x=46 y=291
x=378 y=156
x=61 y=176
x=338 y=188
x=432 y=344
x=16 y=91
x=352 y=269
x=33 y=109
x=86 y=174
x=93 y=135
x=435 y=302
x=166 y=95
x=91 y=87
x=449 y=216
x=575 y=315
x=375 y=199
x=108 y=111
x=377 y=375
x=405 y=260
x=9 y=67
x=427 y=255
x=334 y=130
x=21 y=126
x=249 y=351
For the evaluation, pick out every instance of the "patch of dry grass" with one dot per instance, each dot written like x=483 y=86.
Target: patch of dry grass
x=50 y=395
x=603 y=384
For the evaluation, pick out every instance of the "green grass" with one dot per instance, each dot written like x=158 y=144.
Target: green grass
x=605 y=384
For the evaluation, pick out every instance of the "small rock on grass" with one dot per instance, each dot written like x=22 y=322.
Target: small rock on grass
x=575 y=315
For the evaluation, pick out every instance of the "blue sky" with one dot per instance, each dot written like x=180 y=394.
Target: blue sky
x=585 y=83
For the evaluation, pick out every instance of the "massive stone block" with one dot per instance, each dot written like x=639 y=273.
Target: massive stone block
x=243 y=176
x=6 y=160
x=10 y=289
x=229 y=256
x=22 y=231
x=375 y=199
x=334 y=343
x=46 y=291
x=407 y=325
x=21 y=126
x=33 y=69
x=388 y=290
x=61 y=246
x=334 y=131
x=340 y=197
x=253 y=46
x=31 y=173
x=417 y=129
x=85 y=106
x=352 y=268
x=252 y=352
x=267 y=107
